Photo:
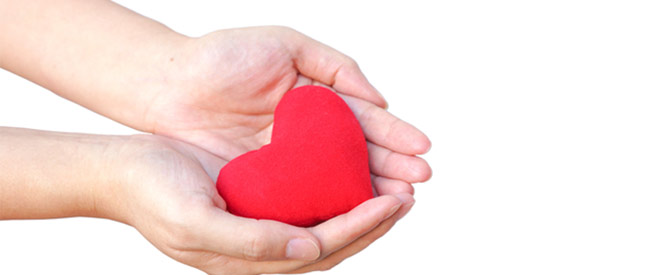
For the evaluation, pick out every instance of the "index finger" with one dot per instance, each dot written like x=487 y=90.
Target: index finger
x=386 y=130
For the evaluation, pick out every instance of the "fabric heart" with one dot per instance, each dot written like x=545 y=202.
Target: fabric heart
x=315 y=168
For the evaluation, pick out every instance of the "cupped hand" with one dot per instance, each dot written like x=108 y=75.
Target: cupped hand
x=166 y=190
x=226 y=85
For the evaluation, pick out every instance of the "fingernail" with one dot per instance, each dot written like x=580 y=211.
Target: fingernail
x=409 y=205
x=393 y=210
x=385 y=103
x=404 y=197
x=302 y=249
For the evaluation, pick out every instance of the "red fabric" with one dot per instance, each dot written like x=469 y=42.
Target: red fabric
x=315 y=168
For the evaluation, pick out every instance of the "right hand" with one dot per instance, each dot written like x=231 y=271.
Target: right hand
x=167 y=191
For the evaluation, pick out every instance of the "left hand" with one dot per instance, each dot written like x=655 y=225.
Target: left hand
x=165 y=189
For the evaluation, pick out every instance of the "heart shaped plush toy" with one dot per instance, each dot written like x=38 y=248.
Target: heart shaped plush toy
x=315 y=168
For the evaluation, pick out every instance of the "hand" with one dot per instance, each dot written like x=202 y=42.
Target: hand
x=217 y=92
x=167 y=192
x=226 y=85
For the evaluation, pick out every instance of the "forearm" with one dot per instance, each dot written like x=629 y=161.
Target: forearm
x=50 y=175
x=93 y=52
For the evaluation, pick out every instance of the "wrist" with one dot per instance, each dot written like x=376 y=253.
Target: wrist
x=112 y=197
x=96 y=53
x=130 y=163
x=51 y=175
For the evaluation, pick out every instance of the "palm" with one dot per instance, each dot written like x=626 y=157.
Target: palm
x=176 y=207
x=228 y=110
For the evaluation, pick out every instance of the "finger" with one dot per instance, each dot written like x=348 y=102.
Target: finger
x=325 y=64
x=361 y=243
x=386 y=186
x=384 y=129
x=344 y=229
x=302 y=81
x=255 y=240
x=384 y=162
x=389 y=164
x=321 y=84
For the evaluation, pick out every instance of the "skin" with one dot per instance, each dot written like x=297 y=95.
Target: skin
x=165 y=188
x=212 y=99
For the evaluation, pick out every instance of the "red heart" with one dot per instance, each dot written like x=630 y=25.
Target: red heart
x=315 y=168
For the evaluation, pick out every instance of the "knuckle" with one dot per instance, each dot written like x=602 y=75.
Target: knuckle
x=179 y=236
x=386 y=162
x=329 y=265
x=287 y=29
x=368 y=114
x=180 y=228
x=257 y=248
x=401 y=187
x=282 y=29
x=351 y=62
x=348 y=62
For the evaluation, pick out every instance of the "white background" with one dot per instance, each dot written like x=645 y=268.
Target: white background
x=549 y=121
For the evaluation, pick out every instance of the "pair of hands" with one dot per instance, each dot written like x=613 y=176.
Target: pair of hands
x=221 y=99
x=208 y=99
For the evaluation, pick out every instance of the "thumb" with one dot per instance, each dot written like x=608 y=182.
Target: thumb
x=256 y=240
x=325 y=64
